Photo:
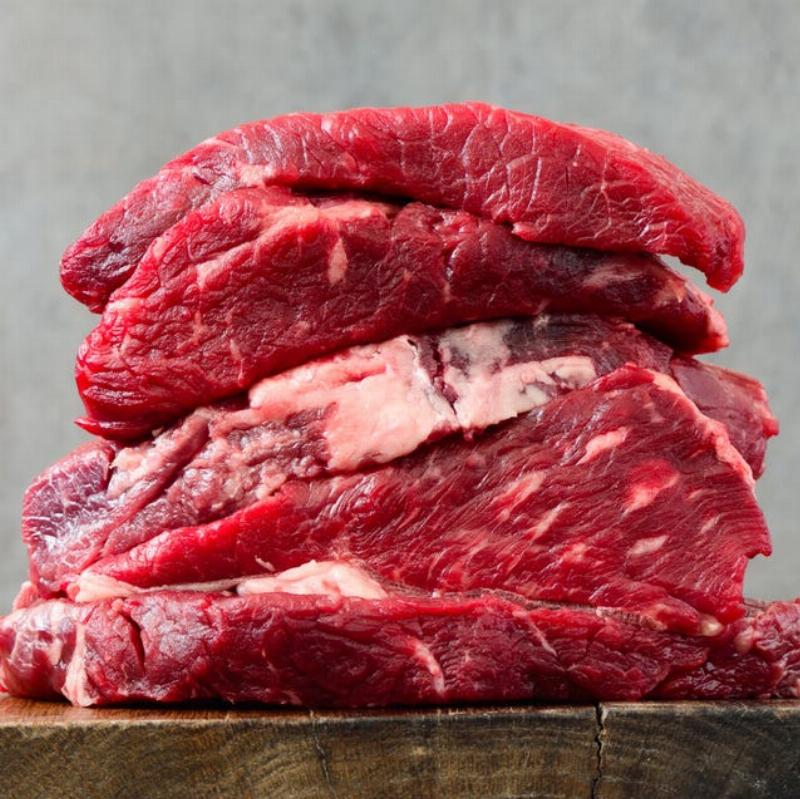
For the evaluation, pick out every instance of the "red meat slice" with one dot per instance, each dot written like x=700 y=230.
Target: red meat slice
x=554 y=183
x=365 y=405
x=372 y=403
x=351 y=652
x=621 y=495
x=263 y=280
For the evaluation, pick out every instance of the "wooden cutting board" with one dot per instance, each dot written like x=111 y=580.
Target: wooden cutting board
x=649 y=750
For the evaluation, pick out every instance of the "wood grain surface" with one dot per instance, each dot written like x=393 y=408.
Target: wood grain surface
x=647 y=750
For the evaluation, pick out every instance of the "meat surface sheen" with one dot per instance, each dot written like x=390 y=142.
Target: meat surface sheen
x=553 y=183
x=261 y=280
x=621 y=494
x=365 y=405
x=736 y=400
x=335 y=650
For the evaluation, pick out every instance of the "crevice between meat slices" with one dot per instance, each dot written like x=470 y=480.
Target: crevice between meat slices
x=365 y=405
x=265 y=279
x=553 y=183
x=331 y=648
x=327 y=578
x=620 y=494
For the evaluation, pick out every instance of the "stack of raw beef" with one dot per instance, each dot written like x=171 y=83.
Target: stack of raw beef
x=401 y=406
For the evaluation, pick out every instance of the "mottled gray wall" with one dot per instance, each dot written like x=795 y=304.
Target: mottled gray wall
x=97 y=95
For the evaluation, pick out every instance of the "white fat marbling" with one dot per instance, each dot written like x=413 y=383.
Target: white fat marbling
x=328 y=578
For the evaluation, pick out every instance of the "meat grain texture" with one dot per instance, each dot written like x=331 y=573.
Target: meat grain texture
x=400 y=406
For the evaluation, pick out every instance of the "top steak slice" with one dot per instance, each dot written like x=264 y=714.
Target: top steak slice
x=621 y=494
x=265 y=279
x=554 y=183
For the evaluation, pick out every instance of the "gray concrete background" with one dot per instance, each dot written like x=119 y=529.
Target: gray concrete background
x=95 y=96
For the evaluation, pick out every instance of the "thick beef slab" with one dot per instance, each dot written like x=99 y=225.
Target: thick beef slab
x=529 y=489
x=262 y=280
x=621 y=495
x=338 y=414
x=554 y=183
x=334 y=650
x=366 y=405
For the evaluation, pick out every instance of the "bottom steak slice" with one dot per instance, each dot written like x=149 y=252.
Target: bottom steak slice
x=621 y=494
x=378 y=648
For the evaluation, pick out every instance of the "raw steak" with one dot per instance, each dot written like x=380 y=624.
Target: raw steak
x=262 y=280
x=554 y=183
x=368 y=404
x=621 y=494
x=365 y=405
x=352 y=647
